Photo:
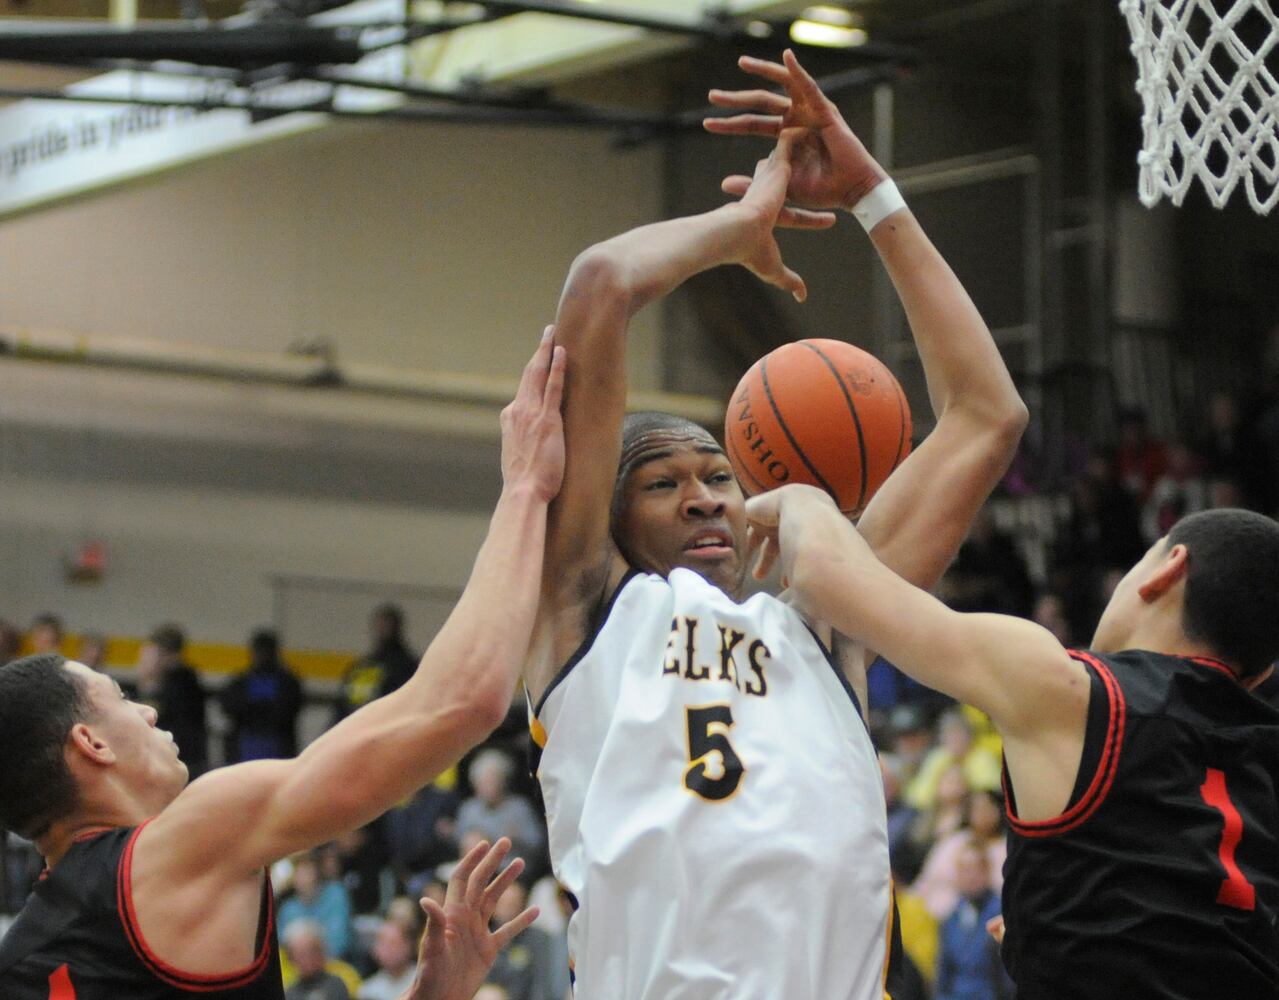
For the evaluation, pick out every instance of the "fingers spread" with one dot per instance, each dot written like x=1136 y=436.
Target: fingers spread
x=485 y=870
x=795 y=285
x=433 y=910
x=504 y=934
x=765 y=125
x=762 y=67
x=799 y=80
x=802 y=218
x=751 y=100
x=499 y=885
x=462 y=873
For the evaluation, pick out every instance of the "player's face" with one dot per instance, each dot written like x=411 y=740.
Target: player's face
x=145 y=755
x=681 y=507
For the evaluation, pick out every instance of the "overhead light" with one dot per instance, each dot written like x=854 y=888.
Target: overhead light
x=759 y=29
x=830 y=35
x=825 y=13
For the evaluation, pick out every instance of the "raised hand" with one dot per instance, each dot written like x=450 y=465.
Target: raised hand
x=830 y=166
x=764 y=198
x=459 y=949
x=532 y=426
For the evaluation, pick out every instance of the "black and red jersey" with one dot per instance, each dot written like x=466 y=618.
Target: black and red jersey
x=77 y=938
x=1161 y=878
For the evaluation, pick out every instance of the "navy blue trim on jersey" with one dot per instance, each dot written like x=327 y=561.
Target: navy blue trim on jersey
x=592 y=633
x=829 y=654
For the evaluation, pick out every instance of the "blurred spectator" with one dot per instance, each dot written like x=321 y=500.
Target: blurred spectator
x=990 y=574
x=948 y=812
x=1105 y=521
x=93 y=650
x=419 y=834
x=981 y=768
x=304 y=942
x=1262 y=429
x=910 y=738
x=1103 y=531
x=262 y=705
x=393 y=954
x=1178 y=492
x=918 y=926
x=359 y=859
x=938 y=883
x=561 y=977
x=408 y=913
x=492 y=812
x=46 y=634
x=10 y=641
x=387 y=665
x=901 y=817
x=166 y=682
x=1050 y=612
x=1222 y=443
x=1140 y=458
x=968 y=965
x=1223 y=492
x=319 y=901
x=523 y=968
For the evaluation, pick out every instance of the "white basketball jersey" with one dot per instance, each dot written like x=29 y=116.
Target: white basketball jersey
x=714 y=804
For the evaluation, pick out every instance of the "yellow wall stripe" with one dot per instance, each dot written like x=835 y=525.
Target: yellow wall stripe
x=218 y=658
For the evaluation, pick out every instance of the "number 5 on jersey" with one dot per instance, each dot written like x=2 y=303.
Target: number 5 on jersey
x=714 y=770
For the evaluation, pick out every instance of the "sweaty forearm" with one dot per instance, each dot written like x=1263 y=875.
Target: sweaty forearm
x=962 y=365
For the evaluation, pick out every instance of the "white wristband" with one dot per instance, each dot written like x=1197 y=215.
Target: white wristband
x=883 y=200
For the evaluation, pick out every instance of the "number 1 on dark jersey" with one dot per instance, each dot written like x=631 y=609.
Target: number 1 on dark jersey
x=60 y=987
x=1235 y=890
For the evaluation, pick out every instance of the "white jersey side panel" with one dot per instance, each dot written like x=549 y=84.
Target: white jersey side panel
x=714 y=805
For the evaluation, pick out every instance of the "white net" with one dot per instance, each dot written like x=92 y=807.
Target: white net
x=1208 y=76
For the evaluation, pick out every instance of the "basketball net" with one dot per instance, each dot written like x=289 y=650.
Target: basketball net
x=1208 y=76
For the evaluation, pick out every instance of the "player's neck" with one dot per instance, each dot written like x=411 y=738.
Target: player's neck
x=92 y=816
x=1159 y=635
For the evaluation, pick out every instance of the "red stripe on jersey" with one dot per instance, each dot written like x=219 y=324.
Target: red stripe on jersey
x=1107 y=765
x=190 y=981
x=1205 y=661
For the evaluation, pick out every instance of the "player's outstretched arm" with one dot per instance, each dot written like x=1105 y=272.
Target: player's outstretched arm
x=606 y=286
x=459 y=948
x=1010 y=668
x=920 y=516
x=237 y=819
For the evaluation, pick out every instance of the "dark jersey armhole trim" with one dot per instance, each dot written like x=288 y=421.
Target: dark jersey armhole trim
x=1103 y=776
x=189 y=981
x=829 y=654
x=592 y=633
x=1215 y=664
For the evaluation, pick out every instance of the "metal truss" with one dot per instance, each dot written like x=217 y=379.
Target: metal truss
x=273 y=43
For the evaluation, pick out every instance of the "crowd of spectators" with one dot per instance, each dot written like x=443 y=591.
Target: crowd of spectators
x=348 y=914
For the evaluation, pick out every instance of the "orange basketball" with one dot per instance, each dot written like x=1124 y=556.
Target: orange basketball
x=820 y=412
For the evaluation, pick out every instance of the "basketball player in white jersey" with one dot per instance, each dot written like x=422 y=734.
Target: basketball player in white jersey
x=714 y=803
